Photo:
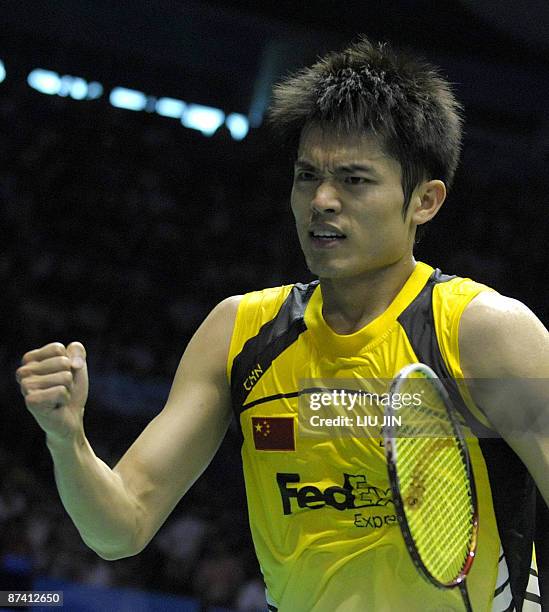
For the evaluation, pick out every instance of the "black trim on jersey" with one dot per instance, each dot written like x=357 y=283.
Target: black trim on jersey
x=513 y=495
x=542 y=548
x=513 y=490
x=419 y=324
x=273 y=338
x=269 y=398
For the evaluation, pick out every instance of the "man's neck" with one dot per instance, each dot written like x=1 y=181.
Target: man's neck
x=349 y=304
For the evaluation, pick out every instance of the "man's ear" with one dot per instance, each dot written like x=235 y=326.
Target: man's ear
x=427 y=200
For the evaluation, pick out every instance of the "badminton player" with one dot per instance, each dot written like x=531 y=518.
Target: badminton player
x=376 y=138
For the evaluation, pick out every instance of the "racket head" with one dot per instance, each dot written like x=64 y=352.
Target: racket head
x=431 y=478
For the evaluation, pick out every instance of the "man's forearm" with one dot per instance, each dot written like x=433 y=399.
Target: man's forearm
x=95 y=498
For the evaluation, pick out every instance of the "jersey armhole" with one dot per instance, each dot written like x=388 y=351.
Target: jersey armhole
x=450 y=351
x=255 y=309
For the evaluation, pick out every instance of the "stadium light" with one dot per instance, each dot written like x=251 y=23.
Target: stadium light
x=49 y=82
x=78 y=89
x=238 y=125
x=44 y=81
x=206 y=119
x=130 y=99
x=170 y=107
x=95 y=90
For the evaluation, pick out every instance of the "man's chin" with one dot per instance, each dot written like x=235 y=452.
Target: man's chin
x=329 y=271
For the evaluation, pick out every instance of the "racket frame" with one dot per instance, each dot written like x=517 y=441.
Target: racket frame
x=391 y=456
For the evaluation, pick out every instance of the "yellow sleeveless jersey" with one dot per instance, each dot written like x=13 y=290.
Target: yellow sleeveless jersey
x=321 y=512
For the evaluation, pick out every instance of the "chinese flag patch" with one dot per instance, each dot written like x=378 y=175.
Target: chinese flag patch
x=273 y=433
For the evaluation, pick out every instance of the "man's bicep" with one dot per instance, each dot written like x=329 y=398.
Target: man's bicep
x=179 y=443
x=504 y=354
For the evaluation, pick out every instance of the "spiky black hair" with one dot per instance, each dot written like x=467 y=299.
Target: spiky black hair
x=371 y=88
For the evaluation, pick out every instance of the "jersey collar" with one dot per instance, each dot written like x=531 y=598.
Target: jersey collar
x=375 y=331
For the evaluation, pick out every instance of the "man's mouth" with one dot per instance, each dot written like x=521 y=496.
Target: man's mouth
x=326 y=236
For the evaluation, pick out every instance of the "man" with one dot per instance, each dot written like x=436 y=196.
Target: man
x=377 y=137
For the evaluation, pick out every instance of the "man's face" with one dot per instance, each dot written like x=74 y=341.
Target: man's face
x=347 y=202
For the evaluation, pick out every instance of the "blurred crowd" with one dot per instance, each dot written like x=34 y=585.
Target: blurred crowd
x=202 y=551
x=122 y=230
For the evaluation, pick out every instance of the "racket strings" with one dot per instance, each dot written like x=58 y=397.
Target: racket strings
x=435 y=485
x=450 y=523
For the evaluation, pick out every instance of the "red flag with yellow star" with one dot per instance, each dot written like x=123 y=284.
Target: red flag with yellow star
x=274 y=433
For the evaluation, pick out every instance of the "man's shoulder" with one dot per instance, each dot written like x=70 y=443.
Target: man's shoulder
x=494 y=313
x=452 y=295
x=454 y=284
x=277 y=295
x=263 y=305
x=299 y=285
x=502 y=330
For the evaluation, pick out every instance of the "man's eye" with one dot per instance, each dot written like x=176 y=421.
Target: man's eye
x=355 y=180
x=303 y=175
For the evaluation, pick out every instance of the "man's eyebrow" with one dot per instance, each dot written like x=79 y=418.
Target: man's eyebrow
x=350 y=168
x=305 y=164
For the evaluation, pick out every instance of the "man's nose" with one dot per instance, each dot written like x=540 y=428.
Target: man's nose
x=326 y=199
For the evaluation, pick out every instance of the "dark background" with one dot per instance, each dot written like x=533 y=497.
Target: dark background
x=123 y=229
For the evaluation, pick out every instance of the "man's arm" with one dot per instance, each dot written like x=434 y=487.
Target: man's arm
x=118 y=511
x=502 y=340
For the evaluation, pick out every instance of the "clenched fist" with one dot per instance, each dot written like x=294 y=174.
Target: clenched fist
x=54 y=382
